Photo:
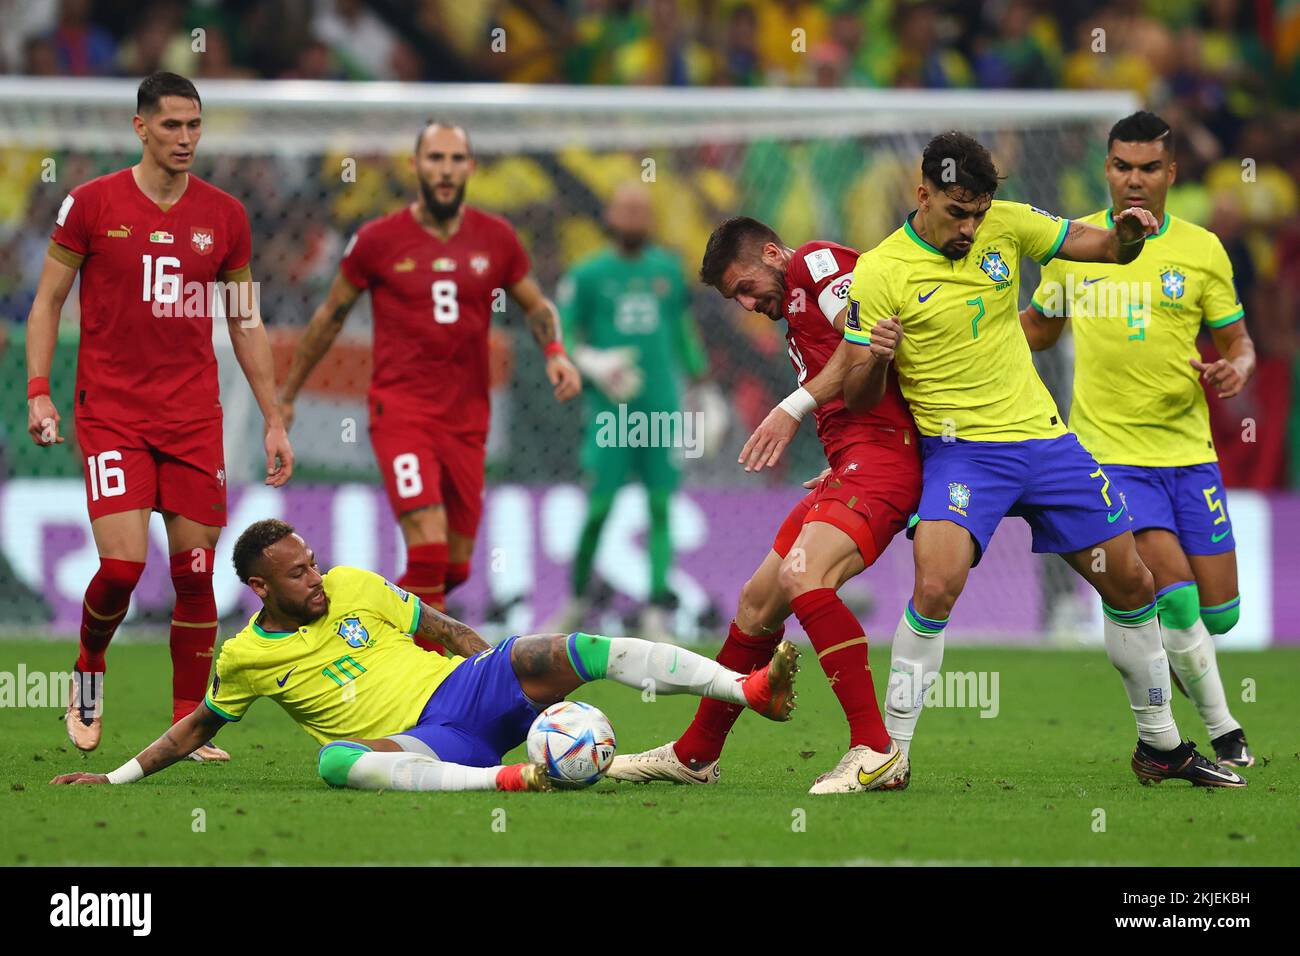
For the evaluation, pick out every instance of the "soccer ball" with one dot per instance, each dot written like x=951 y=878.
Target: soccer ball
x=575 y=741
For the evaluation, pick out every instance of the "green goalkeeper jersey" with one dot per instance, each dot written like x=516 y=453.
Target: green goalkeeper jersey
x=614 y=301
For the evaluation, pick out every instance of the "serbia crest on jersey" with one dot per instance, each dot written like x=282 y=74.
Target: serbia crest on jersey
x=817 y=284
x=432 y=303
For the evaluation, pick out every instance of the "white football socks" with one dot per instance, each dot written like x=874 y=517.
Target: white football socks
x=1192 y=657
x=398 y=770
x=668 y=669
x=1135 y=650
x=914 y=663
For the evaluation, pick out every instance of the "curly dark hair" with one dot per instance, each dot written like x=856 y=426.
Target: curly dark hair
x=955 y=160
x=256 y=538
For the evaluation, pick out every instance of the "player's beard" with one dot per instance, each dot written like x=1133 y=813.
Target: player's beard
x=631 y=242
x=778 y=276
x=441 y=212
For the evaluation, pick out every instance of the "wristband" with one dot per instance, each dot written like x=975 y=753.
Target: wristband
x=798 y=403
x=129 y=772
x=551 y=349
x=40 y=385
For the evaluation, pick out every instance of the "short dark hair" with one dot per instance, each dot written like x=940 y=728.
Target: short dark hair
x=432 y=121
x=955 y=160
x=257 y=537
x=1141 y=127
x=732 y=239
x=155 y=86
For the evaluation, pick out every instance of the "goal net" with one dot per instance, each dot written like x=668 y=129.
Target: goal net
x=311 y=161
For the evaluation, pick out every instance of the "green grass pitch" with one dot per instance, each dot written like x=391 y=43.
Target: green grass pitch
x=1046 y=781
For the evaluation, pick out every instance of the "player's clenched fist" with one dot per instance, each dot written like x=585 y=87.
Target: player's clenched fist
x=562 y=374
x=80 y=778
x=886 y=336
x=43 y=421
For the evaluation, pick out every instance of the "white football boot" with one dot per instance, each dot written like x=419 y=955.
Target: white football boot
x=660 y=764
x=864 y=769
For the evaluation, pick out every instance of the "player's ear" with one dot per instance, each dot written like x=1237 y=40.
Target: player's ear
x=922 y=196
x=258 y=585
x=141 y=128
x=1173 y=172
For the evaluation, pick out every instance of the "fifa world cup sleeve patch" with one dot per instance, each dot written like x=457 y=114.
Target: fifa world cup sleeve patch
x=821 y=263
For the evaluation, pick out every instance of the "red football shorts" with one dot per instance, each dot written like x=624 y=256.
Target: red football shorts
x=871 y=491
x=170 y=466
x=423 y=466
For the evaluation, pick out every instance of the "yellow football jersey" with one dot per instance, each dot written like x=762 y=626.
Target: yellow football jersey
x=964 y=364
x=1137 y=400
x=353 y=672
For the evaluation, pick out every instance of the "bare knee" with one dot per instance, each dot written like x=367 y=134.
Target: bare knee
x=1128 y=585
x=935 y=595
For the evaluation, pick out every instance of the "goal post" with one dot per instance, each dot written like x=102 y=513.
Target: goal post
x=313 y=160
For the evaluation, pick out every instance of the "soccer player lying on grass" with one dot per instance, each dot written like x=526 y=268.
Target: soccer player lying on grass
x=335 y=650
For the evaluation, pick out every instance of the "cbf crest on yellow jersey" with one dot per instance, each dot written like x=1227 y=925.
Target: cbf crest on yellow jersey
x=353 y=672
x=964 y=365
x=1137 y=399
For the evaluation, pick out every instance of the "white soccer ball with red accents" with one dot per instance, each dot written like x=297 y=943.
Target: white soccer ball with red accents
x=575 y=741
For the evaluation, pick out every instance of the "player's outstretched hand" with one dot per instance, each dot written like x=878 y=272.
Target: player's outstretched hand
x=563 y=374
x=1222 y=376
x=80 y=778
x=886 y=337
x=814 y=482
x=43 y=421
x=279 y=456
x=1135 y=223
x=764 y=448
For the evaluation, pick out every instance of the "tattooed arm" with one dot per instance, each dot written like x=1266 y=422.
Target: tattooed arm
x=458 y=638
x=1122 y=244
x=544 y=323
x=316 y=341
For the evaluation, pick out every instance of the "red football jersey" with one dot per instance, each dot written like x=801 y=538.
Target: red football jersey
x=816 y=288
x=432 y=304
x=146 y=299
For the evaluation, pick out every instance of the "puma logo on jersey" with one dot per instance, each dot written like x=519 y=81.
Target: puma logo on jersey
x=123 y=232
x=405 y=265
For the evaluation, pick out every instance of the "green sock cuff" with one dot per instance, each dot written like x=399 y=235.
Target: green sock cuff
x=1222 y=618
x=336 y=759
x=1133 y=618
x=1179 y=605
x=589 y=655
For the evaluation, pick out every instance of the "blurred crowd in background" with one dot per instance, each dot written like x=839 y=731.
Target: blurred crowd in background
x=1225 y=74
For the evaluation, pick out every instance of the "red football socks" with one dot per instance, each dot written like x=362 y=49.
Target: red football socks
x=425 y=577
x=704 y=738
x=841 y=649
x=108 y=596
x=194 y=628
x=457 y=574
